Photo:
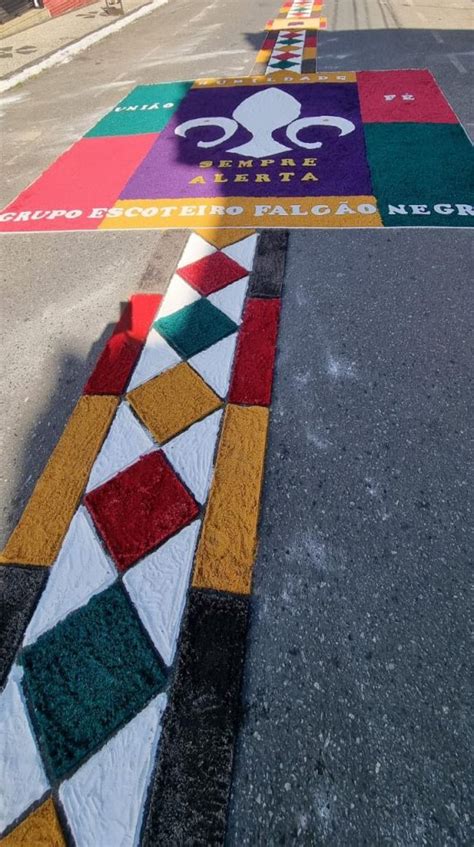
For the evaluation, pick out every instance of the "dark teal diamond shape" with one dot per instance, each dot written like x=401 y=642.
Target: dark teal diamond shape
x=284 y=65
x=89 y=675
x=195 y=327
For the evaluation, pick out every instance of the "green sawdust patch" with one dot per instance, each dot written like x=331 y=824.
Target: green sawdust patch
x=147 y=108
x=89 y=675
x=417 y=164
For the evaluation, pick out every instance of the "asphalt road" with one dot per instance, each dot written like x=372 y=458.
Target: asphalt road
x=356 y=700
x=355 y=726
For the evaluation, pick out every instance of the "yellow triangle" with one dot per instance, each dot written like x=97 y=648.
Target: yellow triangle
x=223 y=237
x=41 y=828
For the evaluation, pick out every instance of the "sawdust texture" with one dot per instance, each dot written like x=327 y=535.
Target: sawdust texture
x=173 y=401
x=223 y=237
x=38 y=536
x=40 y=829
x=226 y=552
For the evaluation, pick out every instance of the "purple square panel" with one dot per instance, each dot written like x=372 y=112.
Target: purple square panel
x=267 y=141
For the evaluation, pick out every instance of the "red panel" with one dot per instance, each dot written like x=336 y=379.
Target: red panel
x=140 y=508
x=311 y=41
x=116 y=362
x=402 y=96
x=89 y=175
x=253 y=372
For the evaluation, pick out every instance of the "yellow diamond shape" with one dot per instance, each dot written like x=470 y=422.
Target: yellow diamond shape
x=173 y=401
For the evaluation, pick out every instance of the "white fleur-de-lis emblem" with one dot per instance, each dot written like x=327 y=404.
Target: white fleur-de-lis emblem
x=261 y=114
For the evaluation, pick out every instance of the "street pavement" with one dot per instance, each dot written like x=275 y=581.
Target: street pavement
x=354 y=729
x=356 y=696
x=28 y=47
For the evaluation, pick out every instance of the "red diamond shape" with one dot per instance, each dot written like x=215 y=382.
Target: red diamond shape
x=286 y=55
x=140 y=508
x=212 y=272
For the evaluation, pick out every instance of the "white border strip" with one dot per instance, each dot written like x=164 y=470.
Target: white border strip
x=65 y=54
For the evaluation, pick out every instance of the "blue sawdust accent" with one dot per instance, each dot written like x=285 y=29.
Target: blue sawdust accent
x=87 y=677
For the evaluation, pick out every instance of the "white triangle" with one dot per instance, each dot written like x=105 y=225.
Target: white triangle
x=192 y=453
x=126 y=442
x=215 y=364
x=81 y=570
x=243 y=251
x=178 y=295
x=104 y=799
x=196 y=248
x=23 y=777
x=157 y=356
x=230 y=299
x=158 y=587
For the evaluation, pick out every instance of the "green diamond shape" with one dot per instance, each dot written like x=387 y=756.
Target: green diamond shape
x=284 y=65
x=287 y=42
x=88 y=676
x=195 y=327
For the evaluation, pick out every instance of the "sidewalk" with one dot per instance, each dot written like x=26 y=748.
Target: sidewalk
x=30 y=46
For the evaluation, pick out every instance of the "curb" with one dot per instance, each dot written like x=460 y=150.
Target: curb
x=65 y=54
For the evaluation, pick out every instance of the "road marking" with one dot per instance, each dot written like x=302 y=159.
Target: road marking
x=453 y=58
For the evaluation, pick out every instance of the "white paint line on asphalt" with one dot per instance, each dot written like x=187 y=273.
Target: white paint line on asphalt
x=457 y=63
x=197 y=57
x=203 y=13
x=13 y=98
x=437 y=37
x=190 y=46
x=61 y=57
x=121 y=83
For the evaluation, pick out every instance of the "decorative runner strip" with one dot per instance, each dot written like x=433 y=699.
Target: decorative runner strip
x=310 y=23
x=145 y=515
x=290 y=51
x=365 y=149
x=299 y=10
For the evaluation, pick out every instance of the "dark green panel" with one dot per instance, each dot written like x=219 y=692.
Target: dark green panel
x=147 y=108
x=427 y=165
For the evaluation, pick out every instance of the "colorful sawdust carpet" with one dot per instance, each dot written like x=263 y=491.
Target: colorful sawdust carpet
x=365 y=149
x=137 y=546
